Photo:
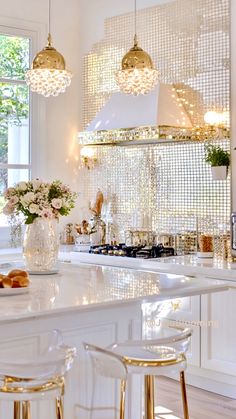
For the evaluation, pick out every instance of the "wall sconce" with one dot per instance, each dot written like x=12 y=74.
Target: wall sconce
x=88 y=157
x=218 y=124
x=217 y=119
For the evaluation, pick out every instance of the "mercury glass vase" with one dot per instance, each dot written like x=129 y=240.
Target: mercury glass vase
x=41 y=245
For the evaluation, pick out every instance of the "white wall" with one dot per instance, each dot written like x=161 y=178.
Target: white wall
x=57 y=149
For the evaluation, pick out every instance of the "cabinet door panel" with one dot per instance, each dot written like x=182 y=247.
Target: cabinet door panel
x=185 y=314
x=218 y=332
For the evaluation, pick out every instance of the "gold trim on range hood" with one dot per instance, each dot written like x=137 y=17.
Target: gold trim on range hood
x=160 y=116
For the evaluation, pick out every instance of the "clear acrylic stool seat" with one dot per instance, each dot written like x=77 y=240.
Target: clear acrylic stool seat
x=23 y=380
x=152 y=357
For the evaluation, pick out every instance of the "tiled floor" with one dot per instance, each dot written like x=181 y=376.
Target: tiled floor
x=202 y=404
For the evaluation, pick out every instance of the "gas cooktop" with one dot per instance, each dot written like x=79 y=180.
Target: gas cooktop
x=145 y=252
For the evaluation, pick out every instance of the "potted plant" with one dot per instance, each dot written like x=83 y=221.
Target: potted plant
x=219 y=160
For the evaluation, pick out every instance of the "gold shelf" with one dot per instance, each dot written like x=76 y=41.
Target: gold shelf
x=152 y=135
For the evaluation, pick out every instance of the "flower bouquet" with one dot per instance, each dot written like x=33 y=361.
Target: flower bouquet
x=39 y=199
x=41 y=204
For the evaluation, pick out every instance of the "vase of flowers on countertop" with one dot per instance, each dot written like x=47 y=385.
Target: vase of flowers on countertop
x=41 y=204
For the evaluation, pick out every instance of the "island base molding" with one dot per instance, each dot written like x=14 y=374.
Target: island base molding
x=207 y=380
x=84 y=390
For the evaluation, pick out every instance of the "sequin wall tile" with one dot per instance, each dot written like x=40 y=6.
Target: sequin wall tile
x=189 y=43
x=165 y=187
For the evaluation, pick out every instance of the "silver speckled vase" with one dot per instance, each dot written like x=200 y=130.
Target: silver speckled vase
x=41 y=245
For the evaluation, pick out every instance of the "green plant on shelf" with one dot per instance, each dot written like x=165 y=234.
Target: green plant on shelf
x=216 y=156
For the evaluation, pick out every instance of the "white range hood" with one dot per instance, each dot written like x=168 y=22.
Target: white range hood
x=161 y=107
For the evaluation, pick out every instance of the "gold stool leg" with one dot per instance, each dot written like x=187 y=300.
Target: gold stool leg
x=17 y=407
x=59 y=408
x=26 y=410
x=149 y=397
x=122 y=399
x=184 y=395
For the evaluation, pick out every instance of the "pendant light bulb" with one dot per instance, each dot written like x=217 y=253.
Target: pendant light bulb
x=48 y=75
x=137 y=74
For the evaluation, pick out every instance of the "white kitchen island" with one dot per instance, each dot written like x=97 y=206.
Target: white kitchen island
x=91 y=303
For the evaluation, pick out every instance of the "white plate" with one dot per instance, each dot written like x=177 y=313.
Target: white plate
x=5 y=265
x=50 y=272
x=13 y=291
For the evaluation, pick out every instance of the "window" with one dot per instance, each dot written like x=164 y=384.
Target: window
x=14 y=113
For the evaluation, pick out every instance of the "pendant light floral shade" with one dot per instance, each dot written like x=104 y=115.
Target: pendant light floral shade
x=137 y=74
x=48 y=75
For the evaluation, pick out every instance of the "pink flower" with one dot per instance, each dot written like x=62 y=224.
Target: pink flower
x=57 y=203
x=46 y=213
x=13 y=200
x=8 y=209
x=8 y=192
x=55 y=213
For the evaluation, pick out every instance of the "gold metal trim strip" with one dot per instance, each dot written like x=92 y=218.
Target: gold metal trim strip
x=50 y=385
x=153 y=363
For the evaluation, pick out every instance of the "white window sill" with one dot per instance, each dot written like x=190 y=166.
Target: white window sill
x=10 y=251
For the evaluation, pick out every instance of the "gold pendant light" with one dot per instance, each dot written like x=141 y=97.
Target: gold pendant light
x=137 y=74
x=48 y=75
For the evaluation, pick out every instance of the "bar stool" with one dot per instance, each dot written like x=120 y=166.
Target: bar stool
x=160 y=356
x=41 y=377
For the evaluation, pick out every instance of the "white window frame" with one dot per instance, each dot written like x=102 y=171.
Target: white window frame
x=36 y=33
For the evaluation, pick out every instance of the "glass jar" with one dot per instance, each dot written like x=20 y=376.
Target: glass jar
x=97 y=230
x=205 y=243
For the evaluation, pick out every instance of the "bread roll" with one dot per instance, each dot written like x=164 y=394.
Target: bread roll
x=7 y=282
x=17 y=272
x=1 y=278
x=20 y=281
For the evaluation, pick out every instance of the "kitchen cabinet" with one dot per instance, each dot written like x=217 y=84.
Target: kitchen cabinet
x=218 y=334
x=212 y=354
x=186 y=311
x=181 y=311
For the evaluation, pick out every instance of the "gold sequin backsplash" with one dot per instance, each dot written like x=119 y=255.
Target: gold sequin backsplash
x=169 y=186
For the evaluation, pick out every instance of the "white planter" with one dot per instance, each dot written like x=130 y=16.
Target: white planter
x=219 y=172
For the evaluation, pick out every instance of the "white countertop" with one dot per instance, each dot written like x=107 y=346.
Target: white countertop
x=83 y=286
x=183 y=265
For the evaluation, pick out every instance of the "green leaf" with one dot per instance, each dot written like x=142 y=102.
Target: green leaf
x=216 y=156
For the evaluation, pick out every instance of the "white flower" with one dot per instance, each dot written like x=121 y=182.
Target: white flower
x=36 y=183
x=8 y=209
x=57 y=203
x=34 y=209
x=27 y=198
x=22 y=186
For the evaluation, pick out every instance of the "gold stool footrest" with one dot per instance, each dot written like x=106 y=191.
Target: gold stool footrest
x=15 y=385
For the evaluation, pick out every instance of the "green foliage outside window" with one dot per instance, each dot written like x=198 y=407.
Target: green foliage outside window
x=14 y=59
